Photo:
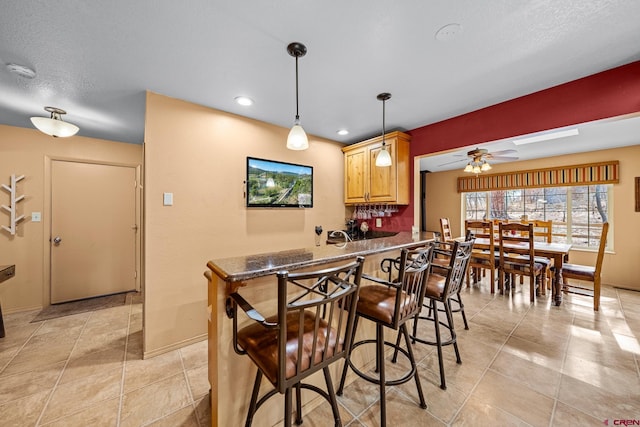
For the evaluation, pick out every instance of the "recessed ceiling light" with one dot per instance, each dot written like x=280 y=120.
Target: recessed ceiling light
x=546 y=136
x=243 y=100
x=449 y=32
x=21 y=70
x=343 y=132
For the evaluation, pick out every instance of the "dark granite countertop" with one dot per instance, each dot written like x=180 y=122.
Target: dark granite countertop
x=251 y=266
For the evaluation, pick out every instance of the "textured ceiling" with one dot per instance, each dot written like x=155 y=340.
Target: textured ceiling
x=95 y=59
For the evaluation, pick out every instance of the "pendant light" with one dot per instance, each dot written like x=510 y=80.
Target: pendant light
x=384 y=158
x=297 y=139
x=54 y=125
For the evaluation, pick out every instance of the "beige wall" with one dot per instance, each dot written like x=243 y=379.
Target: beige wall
x=618 y=268
x=199 y=155
x=28 y=152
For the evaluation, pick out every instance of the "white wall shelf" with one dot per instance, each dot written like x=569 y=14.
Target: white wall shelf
x=14 y=199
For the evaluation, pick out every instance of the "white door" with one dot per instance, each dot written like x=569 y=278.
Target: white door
x=93 y=230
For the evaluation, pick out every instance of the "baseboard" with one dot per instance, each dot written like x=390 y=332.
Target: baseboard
x=21 y=309
x=626 y=289
x=175 y=346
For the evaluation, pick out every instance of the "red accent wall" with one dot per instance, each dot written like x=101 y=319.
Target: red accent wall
x=607 y=94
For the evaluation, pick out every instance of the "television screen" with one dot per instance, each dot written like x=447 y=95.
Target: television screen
x=278 y=184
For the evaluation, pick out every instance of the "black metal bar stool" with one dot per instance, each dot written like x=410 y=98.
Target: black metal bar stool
x=312 y=329
x=391 y=303
x=441 y=258
x=441 y=289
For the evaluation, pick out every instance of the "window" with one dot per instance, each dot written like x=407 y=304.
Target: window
x=577 y=212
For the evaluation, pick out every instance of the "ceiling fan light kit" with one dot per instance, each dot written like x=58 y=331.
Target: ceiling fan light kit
x=478 y=159
x=54 y=126
x=297 y=139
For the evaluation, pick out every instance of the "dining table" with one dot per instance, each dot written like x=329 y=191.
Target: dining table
x=559 y=252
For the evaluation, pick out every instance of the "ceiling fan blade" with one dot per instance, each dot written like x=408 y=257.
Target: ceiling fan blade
x=450 y=163
x=504 y=158
x=503 y=152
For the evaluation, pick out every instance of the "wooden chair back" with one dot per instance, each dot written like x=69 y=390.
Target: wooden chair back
x=520 y=262
x=445 y=229
x=601 y=247
x=481 y=259
x=542 y=230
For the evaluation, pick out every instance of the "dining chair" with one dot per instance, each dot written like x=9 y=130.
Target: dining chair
x=445 y=229
x=312 y=329
x=543 y=232
x=390 y=304
x=482 y=259
x=587 y=273
x=517 y=257
x=439 y=290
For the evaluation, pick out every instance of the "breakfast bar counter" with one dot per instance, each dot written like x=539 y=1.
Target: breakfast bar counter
x=251 y=266
x=230 y=375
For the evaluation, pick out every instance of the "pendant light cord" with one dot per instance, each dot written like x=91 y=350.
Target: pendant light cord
x=297 y=115
x=384 y=101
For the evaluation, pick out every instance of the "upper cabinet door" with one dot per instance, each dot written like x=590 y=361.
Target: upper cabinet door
x=367 y=183
x=382 y=180
x=355 y=166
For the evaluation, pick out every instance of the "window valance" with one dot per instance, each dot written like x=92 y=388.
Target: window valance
x=589 y=174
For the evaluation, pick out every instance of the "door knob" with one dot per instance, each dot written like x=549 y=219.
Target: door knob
x=57 y=240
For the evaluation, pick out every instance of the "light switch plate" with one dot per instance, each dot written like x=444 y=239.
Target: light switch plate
x=167 y=199
x=35 y=217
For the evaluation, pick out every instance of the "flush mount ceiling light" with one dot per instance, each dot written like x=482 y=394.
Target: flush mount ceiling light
x=54 y=125
x=243 y=100
x=449 y=32
x=343 y=132
x=546 y=136
x=383 y=158
x=297 y=139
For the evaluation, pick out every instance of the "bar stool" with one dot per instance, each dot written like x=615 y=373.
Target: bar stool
x=442 y=251
x=312 y=329
x=440 y=289
x=391 y=303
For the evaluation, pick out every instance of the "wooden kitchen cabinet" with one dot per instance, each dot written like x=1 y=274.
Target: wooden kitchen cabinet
x=364 y=182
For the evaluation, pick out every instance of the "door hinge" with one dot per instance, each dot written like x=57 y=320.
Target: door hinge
x=135 y=274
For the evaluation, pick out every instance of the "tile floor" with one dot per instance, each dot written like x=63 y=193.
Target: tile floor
x=87 y=369
x=523 y=364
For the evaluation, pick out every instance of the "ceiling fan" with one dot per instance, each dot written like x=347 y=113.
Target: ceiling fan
x=478 y=159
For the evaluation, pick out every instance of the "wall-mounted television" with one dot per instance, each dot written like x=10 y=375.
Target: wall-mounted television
x=273 y=184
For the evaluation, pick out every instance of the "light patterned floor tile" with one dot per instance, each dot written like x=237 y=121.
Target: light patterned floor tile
x=155 y=401
x=78 y=395
x=514 y=353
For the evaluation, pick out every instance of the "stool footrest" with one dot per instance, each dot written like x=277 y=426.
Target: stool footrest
x=375 y=380
x=453 y=340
